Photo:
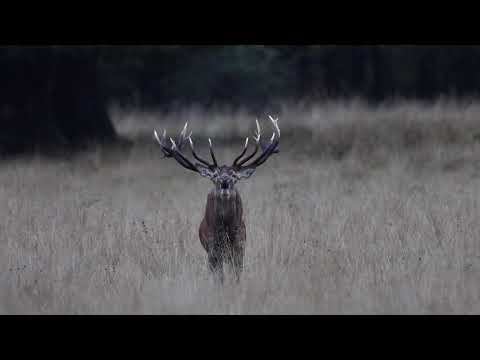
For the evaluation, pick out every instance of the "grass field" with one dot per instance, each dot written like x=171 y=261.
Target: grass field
x=363 y=211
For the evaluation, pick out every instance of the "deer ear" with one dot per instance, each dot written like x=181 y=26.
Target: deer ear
x=205 y=171
x=245 y=173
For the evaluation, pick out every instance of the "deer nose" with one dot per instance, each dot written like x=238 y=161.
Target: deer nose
x=224 y=185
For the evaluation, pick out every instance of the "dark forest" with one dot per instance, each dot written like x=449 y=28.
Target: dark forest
x=55 y=96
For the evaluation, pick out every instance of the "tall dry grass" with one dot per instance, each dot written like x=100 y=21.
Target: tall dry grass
x=355 y=215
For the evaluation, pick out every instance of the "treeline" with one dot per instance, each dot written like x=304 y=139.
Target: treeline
x=57 y=96
x=51 y=98
x=256 y=75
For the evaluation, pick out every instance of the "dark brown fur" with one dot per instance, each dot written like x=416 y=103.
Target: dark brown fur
x=222 y=233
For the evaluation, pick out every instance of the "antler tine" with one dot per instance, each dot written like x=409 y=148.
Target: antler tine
x=277 y=128
x=242 y=153
x=195 y=154
x=184 y=130
x=275 y=124
x=257 y=137
x=268 y=150
x=182 y=138
x=258 y=134
x=174 y=151
x=212 y=154
x=161 y=141
x=156 y=136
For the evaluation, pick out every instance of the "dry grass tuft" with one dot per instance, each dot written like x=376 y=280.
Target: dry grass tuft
x=363 y=211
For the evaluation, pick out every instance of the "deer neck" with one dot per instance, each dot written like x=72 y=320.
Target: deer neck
x=224 y=211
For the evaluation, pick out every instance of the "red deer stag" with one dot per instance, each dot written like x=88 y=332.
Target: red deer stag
x=222 y=230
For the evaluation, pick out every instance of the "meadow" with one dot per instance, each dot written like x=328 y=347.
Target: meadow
x=364 y=211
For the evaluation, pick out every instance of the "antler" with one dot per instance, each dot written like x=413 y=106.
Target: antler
x=268 y=148
x=214 y=165
x=175 y=150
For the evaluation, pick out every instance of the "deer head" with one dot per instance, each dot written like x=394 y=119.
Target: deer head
x=223 y=177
